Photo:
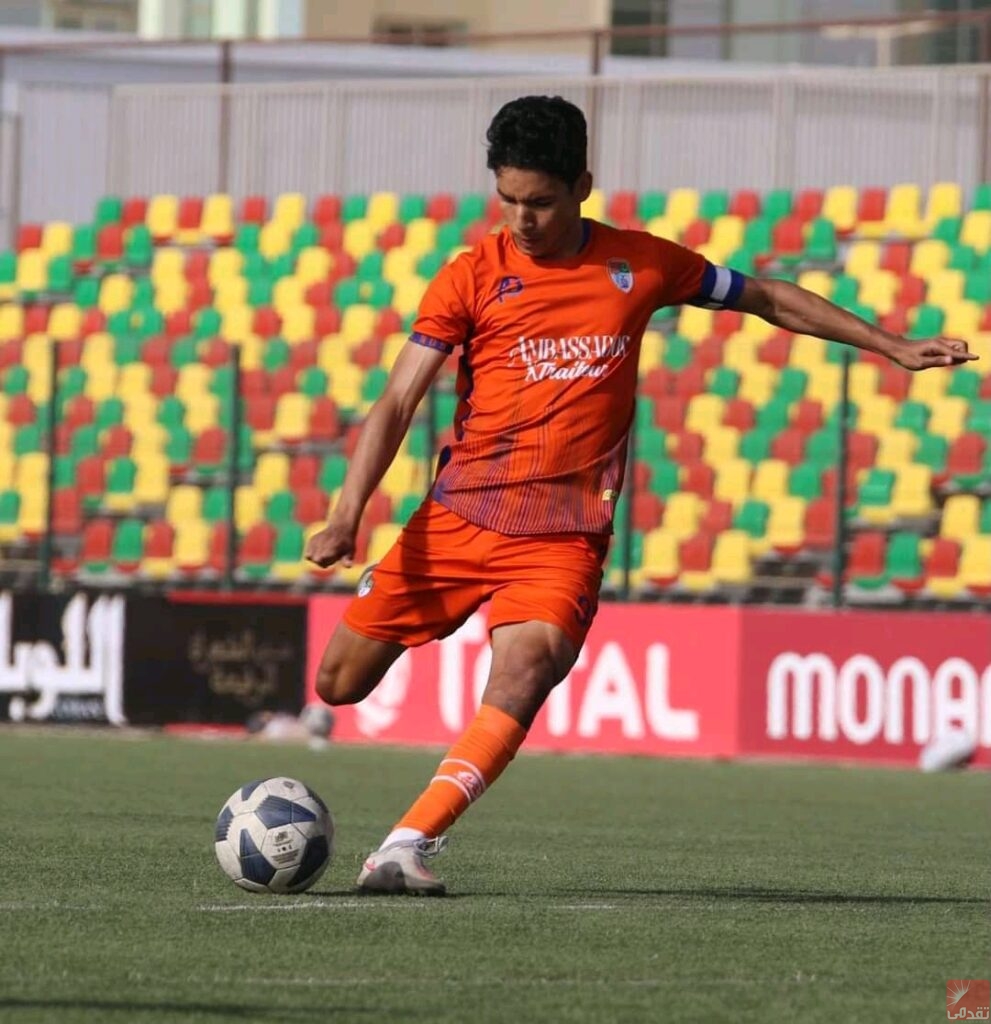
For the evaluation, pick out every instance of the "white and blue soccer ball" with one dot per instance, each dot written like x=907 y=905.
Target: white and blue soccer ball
x=274 y=835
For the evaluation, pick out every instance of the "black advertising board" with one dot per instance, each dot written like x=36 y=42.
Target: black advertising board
x=62 y=657
x=212 y=660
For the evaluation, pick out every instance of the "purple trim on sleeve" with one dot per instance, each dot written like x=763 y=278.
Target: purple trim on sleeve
x=428 y=342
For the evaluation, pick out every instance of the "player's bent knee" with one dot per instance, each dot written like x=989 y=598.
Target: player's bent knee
x=337 y=684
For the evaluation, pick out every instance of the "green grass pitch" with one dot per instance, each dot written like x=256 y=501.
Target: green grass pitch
x=584 y=889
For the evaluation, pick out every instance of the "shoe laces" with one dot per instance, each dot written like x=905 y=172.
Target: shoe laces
x=430 y=847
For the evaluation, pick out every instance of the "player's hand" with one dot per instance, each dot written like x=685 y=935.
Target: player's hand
x=922 y=355
x=334 y=543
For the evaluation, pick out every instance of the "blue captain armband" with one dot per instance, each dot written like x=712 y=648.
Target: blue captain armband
x=721 y=288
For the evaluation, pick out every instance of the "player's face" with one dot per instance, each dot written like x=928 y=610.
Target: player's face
x=543 y=214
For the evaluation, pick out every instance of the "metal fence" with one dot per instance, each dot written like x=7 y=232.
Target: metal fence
x=791 y=129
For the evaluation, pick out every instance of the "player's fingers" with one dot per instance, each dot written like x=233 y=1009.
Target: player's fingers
x=955 y=347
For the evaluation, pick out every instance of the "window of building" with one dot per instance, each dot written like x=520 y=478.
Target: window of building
x=639 y=14
x=417 y=31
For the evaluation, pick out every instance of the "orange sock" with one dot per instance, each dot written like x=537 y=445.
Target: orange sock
x=470 y=767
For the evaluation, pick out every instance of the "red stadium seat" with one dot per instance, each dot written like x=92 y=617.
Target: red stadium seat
x=303 y=472
x=327 y=210
x=94 y=322
x=696 y=234
x=808 y=204
x=254 y=210
x=325 y=421
x=311 y=505
x=788 y=238
x=820 y=524
x=304 y=355
x=966 y=455
x=391 y=237
x=861 y=450
x=387 y=322
x=789 y=446
x=91 y=476
x=893 y=381
x=197 y=265
x=717 y=518
x=254 y=382
x=21 y=410
x=687 y=447
x=266 y=322
x=669 y=414
x=210 y=447
x=98 y=538
x=867 y=554
x=29 y=237
x=318 y=294
x=690 y=381
x=282 y=381
x=327 y=320
x=159 y=540
x=215 y=352
x=259 y=412
x=179 y=323
x=647 y=510
x=807 y=415
x=216 y=556
x=745 y=204
x=699 y=478
x=871 y=204
x=67 y=514
x=943 y=559
x=134 y=211
x=696 y=553
x=726 y=322
x=658 y=383
x=190 y=213
x=110 y=243
x=710 y=353
x=739 y=413
x=441 y=207
x=163 y=381
x=117 y=441
x=621 y=206
x=257 y=545
x=379 y=509
x=896 y=257
x=911 y=292
x=332 y=236
x=776 y=351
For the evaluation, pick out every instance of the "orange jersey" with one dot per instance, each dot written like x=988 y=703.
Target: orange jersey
x=547 y=377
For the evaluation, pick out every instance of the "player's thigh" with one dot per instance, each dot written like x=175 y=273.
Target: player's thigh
x=353 y=665
x=528 y=660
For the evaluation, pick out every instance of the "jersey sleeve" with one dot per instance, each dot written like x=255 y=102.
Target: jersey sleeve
x=689 y=278
x=444 y=320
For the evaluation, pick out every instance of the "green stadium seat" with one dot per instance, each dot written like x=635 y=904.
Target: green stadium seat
x=678 y=352
x=207 y=323
x=757 y=236
x=444 y=406
x=912 y=416
x=962 y=257
x=755 y=445
x=60 y=274
x=353 y=208
x=281 y=507
x=347 y=292
x=418 y=441
x=313 y=382
x=16 y=380
x=933 y=451
x=429 y=265
x=713 y=204
x=964 y=383
x=85 y=441
x=179 y=445
x=724 y=382
x=216 y=506
x=805 y=481
x=448 y=236
x=406 y=507
x=412 y=207
x=777 y=204
x=289 y=542
x=139 y=249
x=979 y=417
x=259 y=291
x=820 y=246
x=977 y=287
x=471 y=207
x=742 y=260
x=370 y=267
x=332 y=472
x=751 y=517
x=792 y=384
x=86 y=293
x=121 y=475
x=982 y=197
x=306 y=236
x=947 y=229
x=823 y=447
x=10 y=508
x=876 y=487
x=903 y=560
x=247 y=237
x=27 y=439
x=109 y=210
x=664 y=477
x=773 y=417
x=928 y=322
x=128 y=545
x=984 y=524
x=651 y=204
x=277 y=354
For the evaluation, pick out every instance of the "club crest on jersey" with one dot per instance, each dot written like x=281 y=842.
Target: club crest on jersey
x=621 y=273
x=366 y=582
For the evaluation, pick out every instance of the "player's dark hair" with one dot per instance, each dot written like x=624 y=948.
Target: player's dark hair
x=539 y=133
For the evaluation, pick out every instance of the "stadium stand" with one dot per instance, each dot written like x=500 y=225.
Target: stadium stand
x=733 y=463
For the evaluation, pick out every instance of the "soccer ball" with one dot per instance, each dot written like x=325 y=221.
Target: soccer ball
x=274 y=835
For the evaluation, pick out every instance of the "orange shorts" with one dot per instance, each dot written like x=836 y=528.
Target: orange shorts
x=442 y=568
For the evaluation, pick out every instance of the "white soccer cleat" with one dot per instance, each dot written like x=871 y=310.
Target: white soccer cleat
x=400 y=868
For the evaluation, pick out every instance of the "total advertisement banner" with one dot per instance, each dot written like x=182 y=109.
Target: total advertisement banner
x=650 y=680
x=708 y=681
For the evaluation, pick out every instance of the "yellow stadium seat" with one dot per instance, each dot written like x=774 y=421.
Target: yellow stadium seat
x=203 y=412
x=704 y=411
x=405 y=476
x=383 y=210
x=224 y=264
x=818 y=281
x=721 y=444
x=421 y=236
x=398 y=265
x=727 y=234
x=756 y=327
x=274 y=239
x=151 y=484
x=682 y=208
x=927 y=387
x=162 y=215
x=928 y=256
x=946 y=288
x=65 y=321
x=595 y=206
x=975 y=561
x=31 y=472
x=8 y=467
x=358 y=239
x=382 y=539
x=249 y=508
x=193 y=382
x=660 y=555
x=807 y=353
x=961 y=517
x=695 y=323
x=911 y=496
x=252 y=349
x=357 y=324
x=876 y=414
x=140 y=408
x=236 y=325
x=949 y=415
x=11 y=321
x=662 y=227
x=896 y=449
x=345 y=385
x=230 y=293
x=171 y=296
x=739 y=352
x=651 y=351
x=298 y=324
x=902 y=215
x=286 y=294
x=408 y=296
x=292 y=418
x=757 y=383
x=944 y=200
x=290 y=210
x=731 y=558
x=826 y=384
x=116 y=292
x=682 y=513
x=192 y=545
x=103 y=385
x=963 y=319
x=863 y=382
x=313 y=265
x=217 y=221
x=134 y=380
x=733 y=481
x=770 y=480
x=839 y=205
x=57 y=238
x=271 y=474
x=98 y=353
x=167 y=264
x=976 y=230
x=862 y=259
x=786 y=523
x=33 y=514
x=32 y=270
x=878 y=291
x=394 y=344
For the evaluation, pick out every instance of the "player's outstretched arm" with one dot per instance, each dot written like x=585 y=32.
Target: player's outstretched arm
x=381 y=435
x=796 y=309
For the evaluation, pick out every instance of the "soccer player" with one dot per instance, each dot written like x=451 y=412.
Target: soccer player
x=548 y=317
